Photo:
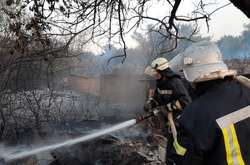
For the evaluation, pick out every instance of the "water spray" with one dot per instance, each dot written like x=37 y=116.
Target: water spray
x=28 y=152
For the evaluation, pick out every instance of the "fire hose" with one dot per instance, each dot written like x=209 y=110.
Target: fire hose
x=10 y=155
x=179 y=149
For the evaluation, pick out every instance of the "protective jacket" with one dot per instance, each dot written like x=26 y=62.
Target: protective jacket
x=215 y=128
x=172 y=93
x=171 y=88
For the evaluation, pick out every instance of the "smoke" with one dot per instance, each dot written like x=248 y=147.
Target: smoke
x=121 y=97
x=10 y=154
x=122 y=91
x=236 y=47
x=6 y=150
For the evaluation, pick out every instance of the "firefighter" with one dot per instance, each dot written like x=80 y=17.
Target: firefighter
x=170 y=93
x=215 y=127
x=169 y=86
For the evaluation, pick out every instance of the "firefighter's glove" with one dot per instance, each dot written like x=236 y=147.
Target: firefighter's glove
x=174 y=106
x=150 y=104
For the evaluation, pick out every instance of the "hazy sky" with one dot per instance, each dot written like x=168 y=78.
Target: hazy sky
x=226 y=21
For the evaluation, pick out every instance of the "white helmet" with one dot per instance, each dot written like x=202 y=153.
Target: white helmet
x=157 y=64
x=160 y=63
x=202 y=61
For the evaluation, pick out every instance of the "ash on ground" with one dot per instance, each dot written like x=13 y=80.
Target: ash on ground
x=113 y=151
x=140 y=148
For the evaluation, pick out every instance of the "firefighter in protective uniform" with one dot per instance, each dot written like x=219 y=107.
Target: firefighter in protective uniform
x=170 y=93
x=169 y=86
x=215 y=127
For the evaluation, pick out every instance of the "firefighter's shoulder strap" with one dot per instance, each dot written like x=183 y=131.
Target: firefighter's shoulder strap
x=178 y=148
x=243 y=80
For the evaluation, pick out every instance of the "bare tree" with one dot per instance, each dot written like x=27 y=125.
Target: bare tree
x=96 y=19
x=30 y=31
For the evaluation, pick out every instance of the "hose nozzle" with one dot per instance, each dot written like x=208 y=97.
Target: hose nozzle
x=143 y=117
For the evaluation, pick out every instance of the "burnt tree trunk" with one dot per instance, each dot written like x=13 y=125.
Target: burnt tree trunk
x=243 y=5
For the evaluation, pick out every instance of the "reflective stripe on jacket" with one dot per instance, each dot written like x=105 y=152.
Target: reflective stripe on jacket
x=215 y=127
x=171 y=89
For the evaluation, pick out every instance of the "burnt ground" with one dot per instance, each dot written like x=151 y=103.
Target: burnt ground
x=111 y=151
x=131 y=146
